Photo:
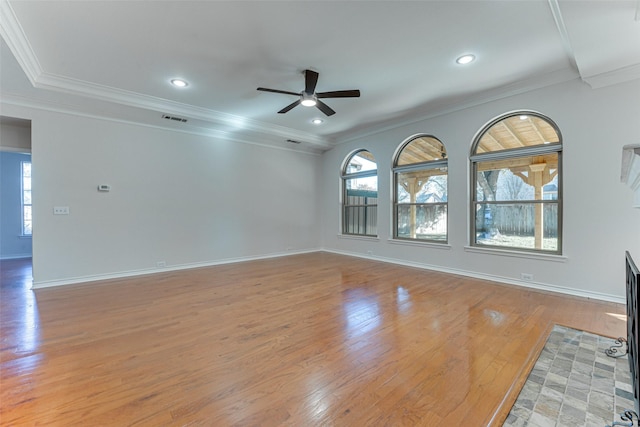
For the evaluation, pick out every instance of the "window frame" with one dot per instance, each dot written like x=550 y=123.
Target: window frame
x=411 y=167
x=345 y=177
x=500 y=155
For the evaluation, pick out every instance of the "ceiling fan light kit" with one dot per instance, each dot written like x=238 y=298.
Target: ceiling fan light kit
x=310 y=98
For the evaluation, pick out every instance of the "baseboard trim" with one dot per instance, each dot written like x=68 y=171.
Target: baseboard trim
x=490 y=277
x=505 y=280
x=144 y=272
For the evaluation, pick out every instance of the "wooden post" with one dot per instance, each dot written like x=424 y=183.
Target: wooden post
x=537 y=182
x=413 y=190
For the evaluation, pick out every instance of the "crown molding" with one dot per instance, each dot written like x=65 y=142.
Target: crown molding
x=77 y=87
x=599 y=80
x=239 y=137
x=13 y=34
x=613 y=77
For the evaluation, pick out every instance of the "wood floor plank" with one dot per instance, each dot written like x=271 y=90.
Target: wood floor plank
x=314 y=339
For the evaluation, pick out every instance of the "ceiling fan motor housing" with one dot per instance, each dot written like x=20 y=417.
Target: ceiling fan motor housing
x=309 y=98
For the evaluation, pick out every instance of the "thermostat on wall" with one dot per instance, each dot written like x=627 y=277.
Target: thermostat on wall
x=104 y=187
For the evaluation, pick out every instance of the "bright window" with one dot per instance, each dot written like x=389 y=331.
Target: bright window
x=26 y=198
x=360 y=194
x=517 y=181
x=420 y=199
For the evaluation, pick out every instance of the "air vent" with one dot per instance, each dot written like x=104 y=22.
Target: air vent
x=293 y=141
x=174 y=118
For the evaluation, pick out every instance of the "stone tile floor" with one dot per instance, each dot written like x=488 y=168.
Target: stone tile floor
x=574 y=383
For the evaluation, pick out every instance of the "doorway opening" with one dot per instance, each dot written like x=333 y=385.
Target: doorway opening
x=16 y=231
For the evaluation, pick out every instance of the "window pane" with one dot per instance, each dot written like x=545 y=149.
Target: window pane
x=360 y=194
x=421 y=190
x=514 y=225
x=430 y=222
x=26 y=198
x=26 y=220
x=422 y=186
x=366 y=185
x=420 y=150
x=362 y=161
x=521 y=178
x=516 y=165
x=360 y=220
x=517 y=131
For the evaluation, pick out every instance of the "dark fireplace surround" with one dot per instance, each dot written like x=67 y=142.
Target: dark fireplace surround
x=633 y=323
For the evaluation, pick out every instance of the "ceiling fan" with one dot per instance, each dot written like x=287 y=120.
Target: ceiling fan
x=309 y=97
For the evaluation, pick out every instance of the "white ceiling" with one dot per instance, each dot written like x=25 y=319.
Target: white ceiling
x=117 y=57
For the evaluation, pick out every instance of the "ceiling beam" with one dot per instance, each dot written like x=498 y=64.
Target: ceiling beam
x=513 y=133
x=536 y=129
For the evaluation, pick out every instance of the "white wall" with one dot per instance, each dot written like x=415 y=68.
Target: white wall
x=180 y=198
x=192 y=200
x=599 y=222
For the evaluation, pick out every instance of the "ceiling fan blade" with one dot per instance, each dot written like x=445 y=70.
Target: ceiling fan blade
x=339 y=94
x=310 y=81
x=324 y=108
x=264 y=89
x=289 y=107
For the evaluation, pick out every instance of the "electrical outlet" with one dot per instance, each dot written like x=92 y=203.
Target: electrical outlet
x=161 y=264
x=61 y=210
x=526 y=276
x=369 y=252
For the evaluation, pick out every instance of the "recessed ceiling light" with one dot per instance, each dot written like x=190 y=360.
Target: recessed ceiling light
x=465 y=59
x=317 y=121
x=523 y=117
x=179 y=83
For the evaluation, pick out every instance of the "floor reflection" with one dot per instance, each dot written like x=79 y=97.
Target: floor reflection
x=317 y=400
x=495 y=317
x=29 y=332
x=18 y=306
x=361 y=312
x=403 y=299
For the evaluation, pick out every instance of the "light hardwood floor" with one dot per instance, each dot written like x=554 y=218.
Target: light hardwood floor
x=308 y=340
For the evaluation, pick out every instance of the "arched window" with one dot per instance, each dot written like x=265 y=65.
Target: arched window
x=360 y=194
x=516 y=163
x=420 y=197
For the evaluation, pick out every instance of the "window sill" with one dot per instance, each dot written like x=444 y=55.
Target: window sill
x=516 y=254
x=418 y=243
x=357 y=237
x=25 y=236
